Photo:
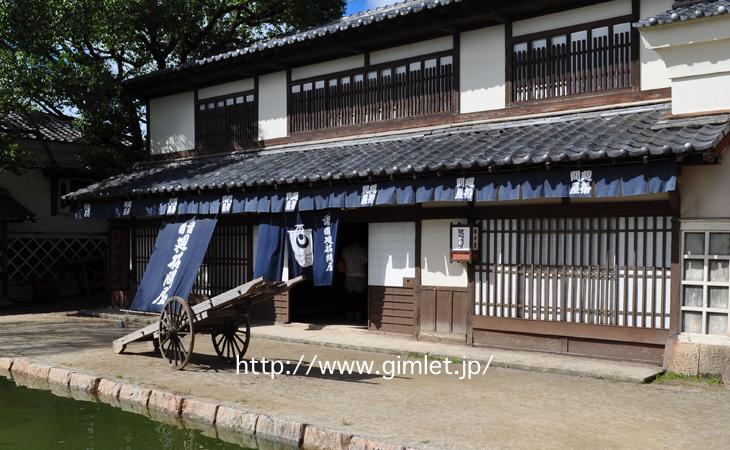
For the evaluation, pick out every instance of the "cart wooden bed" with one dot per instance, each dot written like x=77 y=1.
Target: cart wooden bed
x=225 y=317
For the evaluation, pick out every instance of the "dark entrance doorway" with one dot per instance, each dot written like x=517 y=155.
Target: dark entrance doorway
x=333 y=304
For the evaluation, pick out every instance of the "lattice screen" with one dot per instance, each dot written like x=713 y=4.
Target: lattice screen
x=44 y=258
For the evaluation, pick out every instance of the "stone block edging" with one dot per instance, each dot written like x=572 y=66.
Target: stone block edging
x=207 y=412
x=6 y=364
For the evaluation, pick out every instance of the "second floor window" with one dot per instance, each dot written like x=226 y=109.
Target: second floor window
x=415 y=87
x=226 y=123
x=580 y=60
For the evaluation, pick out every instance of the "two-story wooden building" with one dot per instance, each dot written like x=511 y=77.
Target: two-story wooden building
x=581 y=140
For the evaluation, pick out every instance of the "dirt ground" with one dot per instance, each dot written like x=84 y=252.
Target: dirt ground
x=502 y=409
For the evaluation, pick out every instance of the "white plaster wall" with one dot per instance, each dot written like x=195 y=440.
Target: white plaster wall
x=653 y=70
x=172 y=123
x=326 y=67
x=272 y=105
x=703 y=190
x=701 y=93
x=409 y=50
x=232 y=87
x=698 y=62
x=391 y=253
x=697 y=59
x=575 y=16
x=686 y=33
x=436 y=269
x=33 y=190
x=482 y=76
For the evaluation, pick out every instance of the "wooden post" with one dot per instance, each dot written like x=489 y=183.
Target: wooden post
x=417 y=284
x=5 y=293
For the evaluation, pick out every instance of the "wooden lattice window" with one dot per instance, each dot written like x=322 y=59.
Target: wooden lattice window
x=591 y=58
x=414 y=87
x=225 y=265
x=227 y=122
x=587 y=270
x=706 y=279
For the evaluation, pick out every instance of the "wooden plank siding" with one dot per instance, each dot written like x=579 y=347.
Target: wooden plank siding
x=444 y=310
x=392 y=309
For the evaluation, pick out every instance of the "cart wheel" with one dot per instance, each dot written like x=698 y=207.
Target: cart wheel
x=232 y=339
x=177 y=335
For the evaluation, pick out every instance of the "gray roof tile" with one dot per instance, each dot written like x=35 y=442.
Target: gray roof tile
x=357 y=20
x=567 y=139
x=13 y=211
x=50 y=128
x=685 y=12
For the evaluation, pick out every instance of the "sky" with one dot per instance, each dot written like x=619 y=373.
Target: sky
x=354 y=6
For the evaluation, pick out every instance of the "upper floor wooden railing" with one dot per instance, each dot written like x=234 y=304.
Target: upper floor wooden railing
x=414 y=87
x=226 y=123
x=592 y=58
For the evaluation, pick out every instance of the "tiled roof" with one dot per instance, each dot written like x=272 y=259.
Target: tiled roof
x=12 y=211
x=353 y=21
x=50 y=128
x=609 y=135
x=689 y=11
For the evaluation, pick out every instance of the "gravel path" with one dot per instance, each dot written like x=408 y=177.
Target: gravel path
x=502 y=409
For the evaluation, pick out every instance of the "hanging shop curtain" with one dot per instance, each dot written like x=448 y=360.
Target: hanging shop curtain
x=270 y=247
x=312 y=243
x=586 y=182
x=174 y=263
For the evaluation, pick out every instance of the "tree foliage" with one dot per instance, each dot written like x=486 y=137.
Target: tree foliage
x=69 y=57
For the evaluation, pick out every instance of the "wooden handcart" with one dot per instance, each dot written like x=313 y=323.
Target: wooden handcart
x=225 y=317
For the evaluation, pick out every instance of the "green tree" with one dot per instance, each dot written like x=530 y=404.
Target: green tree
x=69 y=57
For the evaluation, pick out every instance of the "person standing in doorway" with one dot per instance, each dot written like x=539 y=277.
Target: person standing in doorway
x=355 y=259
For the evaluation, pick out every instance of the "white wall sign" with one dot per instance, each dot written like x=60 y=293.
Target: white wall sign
x=87 y=210
x=127 y=208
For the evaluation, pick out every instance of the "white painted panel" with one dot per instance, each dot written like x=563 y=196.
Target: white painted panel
x=699 y=188
x=172 y=123
x=391 y=253
x=436 y=269
x=272 y=105
x=323 y=68
x=575 y=16
x=482 y=75
x=233 y=87
x=701 y=93
x=410 y=50
x=653 y=69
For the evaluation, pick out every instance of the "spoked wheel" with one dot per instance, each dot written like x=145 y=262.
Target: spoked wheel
x=232 y=339
x=177 y=334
